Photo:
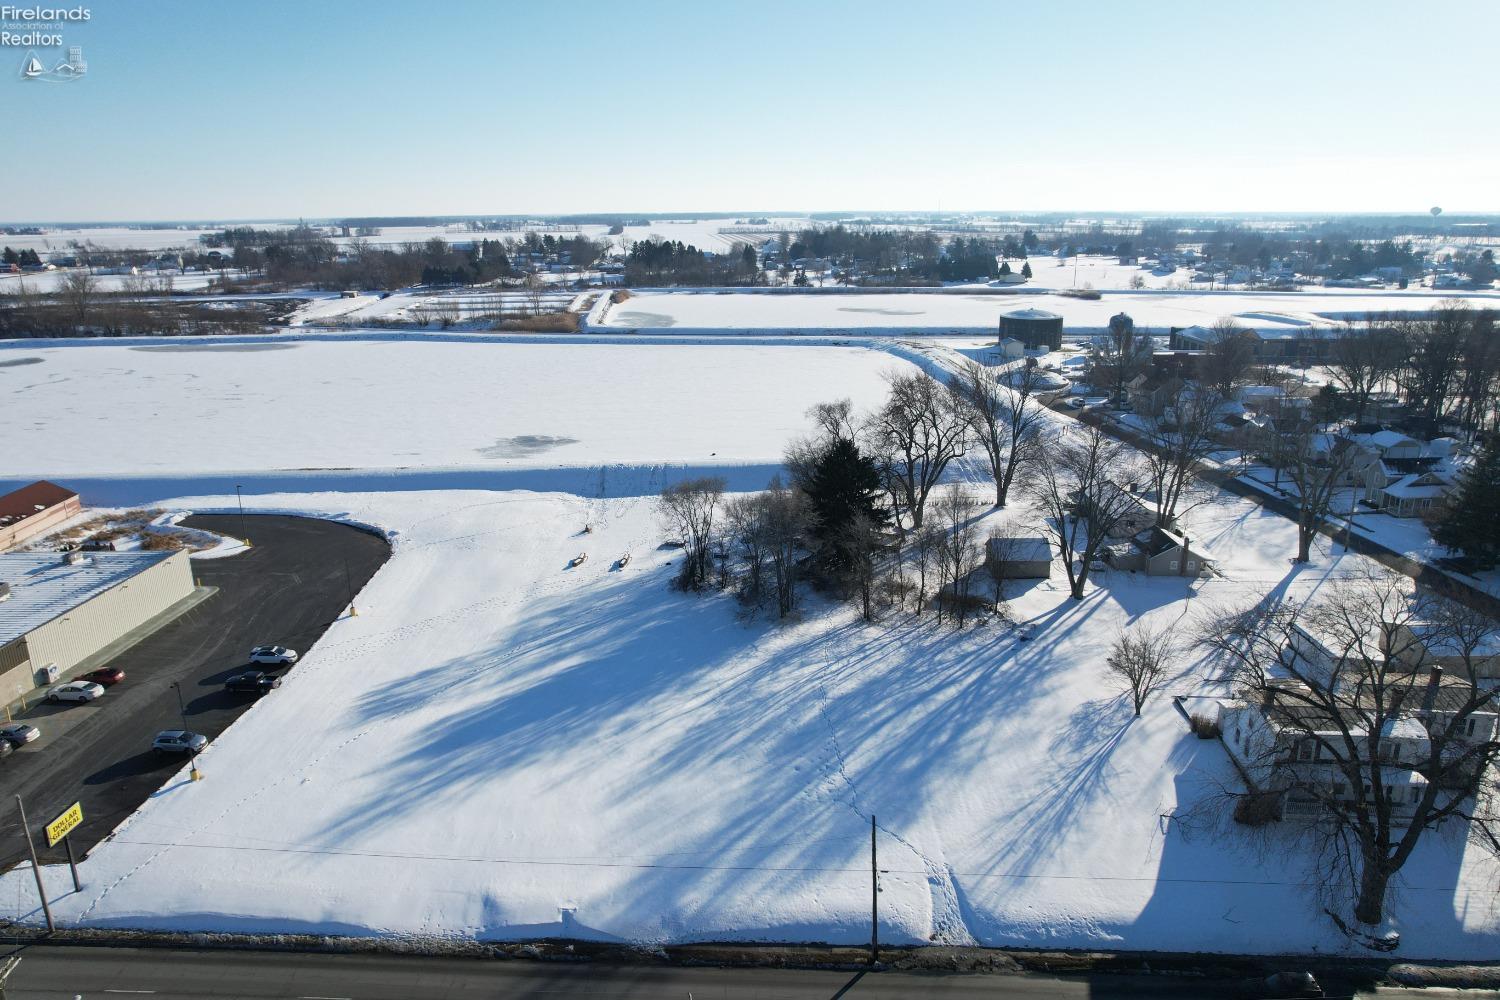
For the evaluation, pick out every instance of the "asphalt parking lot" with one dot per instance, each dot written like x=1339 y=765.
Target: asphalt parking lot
x=286 y=589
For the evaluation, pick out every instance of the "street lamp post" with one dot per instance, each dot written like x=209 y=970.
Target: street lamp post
x=182 y=711
x=244 y=535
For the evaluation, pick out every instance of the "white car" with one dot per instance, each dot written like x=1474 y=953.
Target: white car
x=273 y=654
x=75 y=691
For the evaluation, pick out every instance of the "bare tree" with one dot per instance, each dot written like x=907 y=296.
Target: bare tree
x=1140 y=656
x=78 y=293
x=924 y=549
x=958 y=552
x=786 y=520
x=1361 y=359
x=1181 y=437
x=745 y=524
x=1002 y=416
x=916 y=434
x=1349 y=717
x=860 y=542
x=1080 y=491
x=1317 y=464
x=1227 y=363
x=689 y=509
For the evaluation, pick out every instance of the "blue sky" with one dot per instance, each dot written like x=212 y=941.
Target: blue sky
x=271 y=109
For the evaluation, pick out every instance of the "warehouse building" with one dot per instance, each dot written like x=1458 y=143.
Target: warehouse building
x=33 y=509
x=59 y=609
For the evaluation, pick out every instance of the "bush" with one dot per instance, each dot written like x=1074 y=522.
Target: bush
x=558 y=322
x=619 y=295
x=1257 y=808
x=1205 y=728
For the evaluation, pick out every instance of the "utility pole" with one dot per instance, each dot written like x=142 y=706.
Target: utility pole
x=36 y=868
x=349 y=588
x=874 y=900
x=244 y=535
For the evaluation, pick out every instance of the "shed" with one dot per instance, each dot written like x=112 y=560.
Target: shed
x=1020 y=557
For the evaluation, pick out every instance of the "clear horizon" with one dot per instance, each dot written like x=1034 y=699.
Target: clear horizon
x=281 y=111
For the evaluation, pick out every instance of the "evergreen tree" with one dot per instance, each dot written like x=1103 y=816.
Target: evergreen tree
x=1471 y=524
x=1005 y=267
x=844 y=489
x=1026 y=269
x=10 y=256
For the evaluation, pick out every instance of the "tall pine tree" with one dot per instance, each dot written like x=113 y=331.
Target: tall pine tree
x=1471 y=524
x=843 y=488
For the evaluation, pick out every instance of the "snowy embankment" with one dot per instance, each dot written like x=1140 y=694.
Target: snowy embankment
x=503 y=747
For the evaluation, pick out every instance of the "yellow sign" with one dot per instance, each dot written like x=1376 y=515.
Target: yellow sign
x=60 y=827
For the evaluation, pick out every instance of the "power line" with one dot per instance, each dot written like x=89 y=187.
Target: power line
x=861 y=873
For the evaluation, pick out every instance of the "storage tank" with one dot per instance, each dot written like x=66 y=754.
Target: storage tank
x=1038 y=329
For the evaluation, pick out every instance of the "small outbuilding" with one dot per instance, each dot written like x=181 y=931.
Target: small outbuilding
x=1021 y=557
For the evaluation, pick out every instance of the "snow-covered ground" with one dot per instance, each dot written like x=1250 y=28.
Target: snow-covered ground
x=504 y=747
x=963 y=311
x=199 y=406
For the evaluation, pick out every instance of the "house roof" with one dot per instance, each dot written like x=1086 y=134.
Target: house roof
x=43 y=586
x=1021 y=548
x=33 y=499
x=1155 y=540
x=1417 y=486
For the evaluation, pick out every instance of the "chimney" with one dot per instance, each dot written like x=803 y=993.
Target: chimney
x=1434 y=682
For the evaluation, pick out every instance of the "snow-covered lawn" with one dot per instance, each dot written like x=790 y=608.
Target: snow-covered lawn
x=504 y=747
x=196 y=406
x=501 y=746
x=962 y=311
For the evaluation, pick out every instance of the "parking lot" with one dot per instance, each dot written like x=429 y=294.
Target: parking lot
x=287 y=589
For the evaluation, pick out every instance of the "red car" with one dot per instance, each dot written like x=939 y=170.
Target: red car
x=105 y=675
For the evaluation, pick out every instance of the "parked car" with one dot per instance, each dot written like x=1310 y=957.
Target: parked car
x=18 y=733
x=278 y=655
x=252 y=682
x=6 y=749
x=1076 y=403
x=179 y=741
x=75 y=691
x=107 y=676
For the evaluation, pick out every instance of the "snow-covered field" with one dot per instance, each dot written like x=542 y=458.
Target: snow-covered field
x=504 y=747
x=200 y=406
x=959 y=311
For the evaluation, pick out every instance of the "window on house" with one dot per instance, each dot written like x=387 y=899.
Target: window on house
x=1173 y=564
x=1307 y=750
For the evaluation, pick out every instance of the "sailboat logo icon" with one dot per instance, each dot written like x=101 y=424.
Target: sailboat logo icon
x=70 y=68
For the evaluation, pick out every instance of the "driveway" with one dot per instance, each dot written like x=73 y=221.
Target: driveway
x=287 y=589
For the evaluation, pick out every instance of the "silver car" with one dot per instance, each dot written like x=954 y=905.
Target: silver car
x=179 y=741
x=18 y=733
x=277 y=655
x=75 y=691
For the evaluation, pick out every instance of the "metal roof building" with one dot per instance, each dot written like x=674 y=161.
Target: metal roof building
x=59 y=609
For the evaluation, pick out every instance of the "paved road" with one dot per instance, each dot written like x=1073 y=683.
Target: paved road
x=46 y=973
x=288 y=588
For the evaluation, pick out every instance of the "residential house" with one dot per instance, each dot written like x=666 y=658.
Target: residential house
x=1150 y=392
x=1157 y=551
x=1284 y=745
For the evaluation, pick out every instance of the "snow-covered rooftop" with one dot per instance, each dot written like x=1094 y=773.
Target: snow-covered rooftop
x=43 y=586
